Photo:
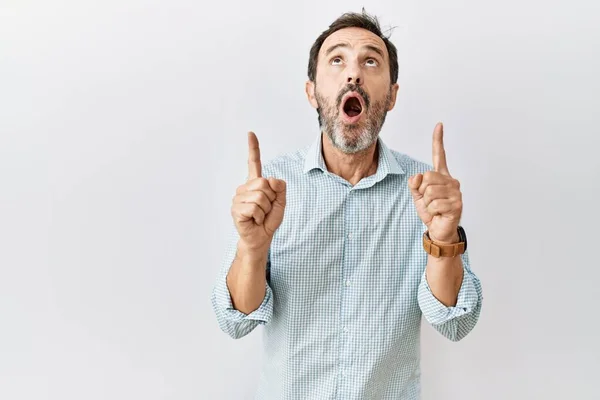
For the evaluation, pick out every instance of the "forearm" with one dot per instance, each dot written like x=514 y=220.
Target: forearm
x=444 y=277
x=246 y=279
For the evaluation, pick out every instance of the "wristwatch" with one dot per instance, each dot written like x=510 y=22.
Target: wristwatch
x=445 y=250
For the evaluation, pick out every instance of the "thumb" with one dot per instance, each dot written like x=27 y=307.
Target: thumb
x=413 y=183
x=277 y=185
x=275 y=216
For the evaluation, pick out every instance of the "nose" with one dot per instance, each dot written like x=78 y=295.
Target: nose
x=354 y=79
x=354 y=74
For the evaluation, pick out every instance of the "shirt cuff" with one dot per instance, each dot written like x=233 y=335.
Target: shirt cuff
x=262 y=314
x=437 y=313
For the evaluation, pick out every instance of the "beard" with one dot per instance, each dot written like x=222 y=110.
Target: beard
x=352 y=138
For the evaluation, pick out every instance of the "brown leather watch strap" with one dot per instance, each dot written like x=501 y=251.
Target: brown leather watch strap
x=442 y=250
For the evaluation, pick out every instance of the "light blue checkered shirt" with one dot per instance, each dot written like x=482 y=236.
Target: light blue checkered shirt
x=346 y=285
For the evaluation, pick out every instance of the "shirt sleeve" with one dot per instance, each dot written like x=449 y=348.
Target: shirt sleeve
x=457 y=321
x=232 y=321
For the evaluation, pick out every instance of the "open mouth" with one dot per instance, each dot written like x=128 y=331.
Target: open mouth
x=352 y=106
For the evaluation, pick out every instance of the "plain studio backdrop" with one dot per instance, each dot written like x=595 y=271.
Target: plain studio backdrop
x=123 y=138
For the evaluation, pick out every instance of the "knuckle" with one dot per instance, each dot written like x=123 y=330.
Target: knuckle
x=268 y=208
x=262 y=197
x=263 y=182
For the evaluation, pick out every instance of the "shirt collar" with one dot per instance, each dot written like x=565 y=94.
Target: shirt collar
x=387 y=162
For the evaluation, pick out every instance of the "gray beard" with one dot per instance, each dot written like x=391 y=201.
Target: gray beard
x=352 y=139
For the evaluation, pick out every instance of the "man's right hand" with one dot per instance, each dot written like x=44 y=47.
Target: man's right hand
x=259 y=204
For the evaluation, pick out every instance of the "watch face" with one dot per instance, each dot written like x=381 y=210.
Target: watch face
x=463 y=236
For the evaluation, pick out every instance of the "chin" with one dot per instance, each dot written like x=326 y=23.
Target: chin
x=353 y=140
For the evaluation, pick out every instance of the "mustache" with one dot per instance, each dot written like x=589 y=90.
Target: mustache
x=353 y=88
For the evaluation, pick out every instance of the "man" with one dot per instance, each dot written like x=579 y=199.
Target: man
x=341 y=247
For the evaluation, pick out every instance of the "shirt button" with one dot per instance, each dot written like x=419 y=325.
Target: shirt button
x=350 y=235
x=346 y=330
x=348 y=283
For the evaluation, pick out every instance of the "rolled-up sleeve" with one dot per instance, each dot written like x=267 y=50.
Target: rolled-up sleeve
x=457 y=321
x=232 y=321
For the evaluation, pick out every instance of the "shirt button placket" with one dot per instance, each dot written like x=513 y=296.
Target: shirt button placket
x=347 y=283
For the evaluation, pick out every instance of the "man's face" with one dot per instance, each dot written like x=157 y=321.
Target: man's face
x=353 y=91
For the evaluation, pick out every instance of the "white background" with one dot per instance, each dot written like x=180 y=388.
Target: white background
x=123 y=137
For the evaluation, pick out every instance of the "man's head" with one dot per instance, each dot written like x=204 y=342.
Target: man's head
x=352 y=72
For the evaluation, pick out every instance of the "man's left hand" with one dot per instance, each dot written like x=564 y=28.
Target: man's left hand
x=437 y=195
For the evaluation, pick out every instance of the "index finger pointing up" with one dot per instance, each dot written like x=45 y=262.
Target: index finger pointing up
x=439 y=154
x=254 y=165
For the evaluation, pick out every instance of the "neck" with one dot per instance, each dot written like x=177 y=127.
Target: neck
x=351 y=167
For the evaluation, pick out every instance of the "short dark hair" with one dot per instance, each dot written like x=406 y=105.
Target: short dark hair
x=353 y=20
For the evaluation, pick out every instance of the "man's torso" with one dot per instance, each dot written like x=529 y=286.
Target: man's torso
x=344 y=267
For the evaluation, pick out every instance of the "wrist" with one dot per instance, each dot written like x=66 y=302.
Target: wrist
x=445 y=240
x=252 y=254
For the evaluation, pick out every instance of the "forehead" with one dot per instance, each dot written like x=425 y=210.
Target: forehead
x=355 y=38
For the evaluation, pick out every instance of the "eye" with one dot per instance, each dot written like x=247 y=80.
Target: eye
x=371 y=62
x=336 y=61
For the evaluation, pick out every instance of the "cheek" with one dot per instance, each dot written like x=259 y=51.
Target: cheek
x=379 y=95
x=378 y=84
x=326 y=87
x=330 y=80
x=326 y=95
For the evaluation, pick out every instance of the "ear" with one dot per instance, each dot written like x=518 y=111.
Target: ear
x=310 y=93
x=395 y=88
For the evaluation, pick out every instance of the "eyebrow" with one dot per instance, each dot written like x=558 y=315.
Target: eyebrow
x=368 y=47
